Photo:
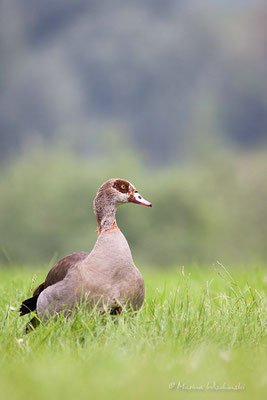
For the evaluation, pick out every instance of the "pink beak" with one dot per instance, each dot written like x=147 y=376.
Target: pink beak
x=138 y=199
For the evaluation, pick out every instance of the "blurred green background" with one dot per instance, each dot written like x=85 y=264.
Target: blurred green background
x=169 y=95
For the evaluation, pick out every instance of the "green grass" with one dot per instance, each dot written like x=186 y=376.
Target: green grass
x=198 y=326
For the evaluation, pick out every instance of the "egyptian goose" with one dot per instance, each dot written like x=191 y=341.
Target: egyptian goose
x=107 y=276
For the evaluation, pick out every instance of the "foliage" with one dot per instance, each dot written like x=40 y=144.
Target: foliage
x=212 y=210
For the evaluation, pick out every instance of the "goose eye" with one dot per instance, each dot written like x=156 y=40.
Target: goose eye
x=123 y=187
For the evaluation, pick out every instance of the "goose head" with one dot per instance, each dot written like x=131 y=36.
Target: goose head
x=125 y=192
x=119 y=191
x=113 y=193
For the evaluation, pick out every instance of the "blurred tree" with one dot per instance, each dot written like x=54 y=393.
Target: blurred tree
x=79 y=66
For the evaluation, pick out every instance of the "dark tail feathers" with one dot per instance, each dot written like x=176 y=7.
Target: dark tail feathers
x=28 y=305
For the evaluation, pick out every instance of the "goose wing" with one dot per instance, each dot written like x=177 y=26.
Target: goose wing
x=56 y=274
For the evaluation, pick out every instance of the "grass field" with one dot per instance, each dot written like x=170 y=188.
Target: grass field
x=200 y=334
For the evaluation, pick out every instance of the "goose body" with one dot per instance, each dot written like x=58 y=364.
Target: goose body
x=107 y=277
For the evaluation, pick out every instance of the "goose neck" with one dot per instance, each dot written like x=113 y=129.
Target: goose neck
x=105 y=216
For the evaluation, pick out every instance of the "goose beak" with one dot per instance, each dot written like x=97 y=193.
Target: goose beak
x=138 y=199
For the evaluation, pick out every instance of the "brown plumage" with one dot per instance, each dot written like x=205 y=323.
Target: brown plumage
x=107 y=275
x=60 y=270
x=56 y=274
